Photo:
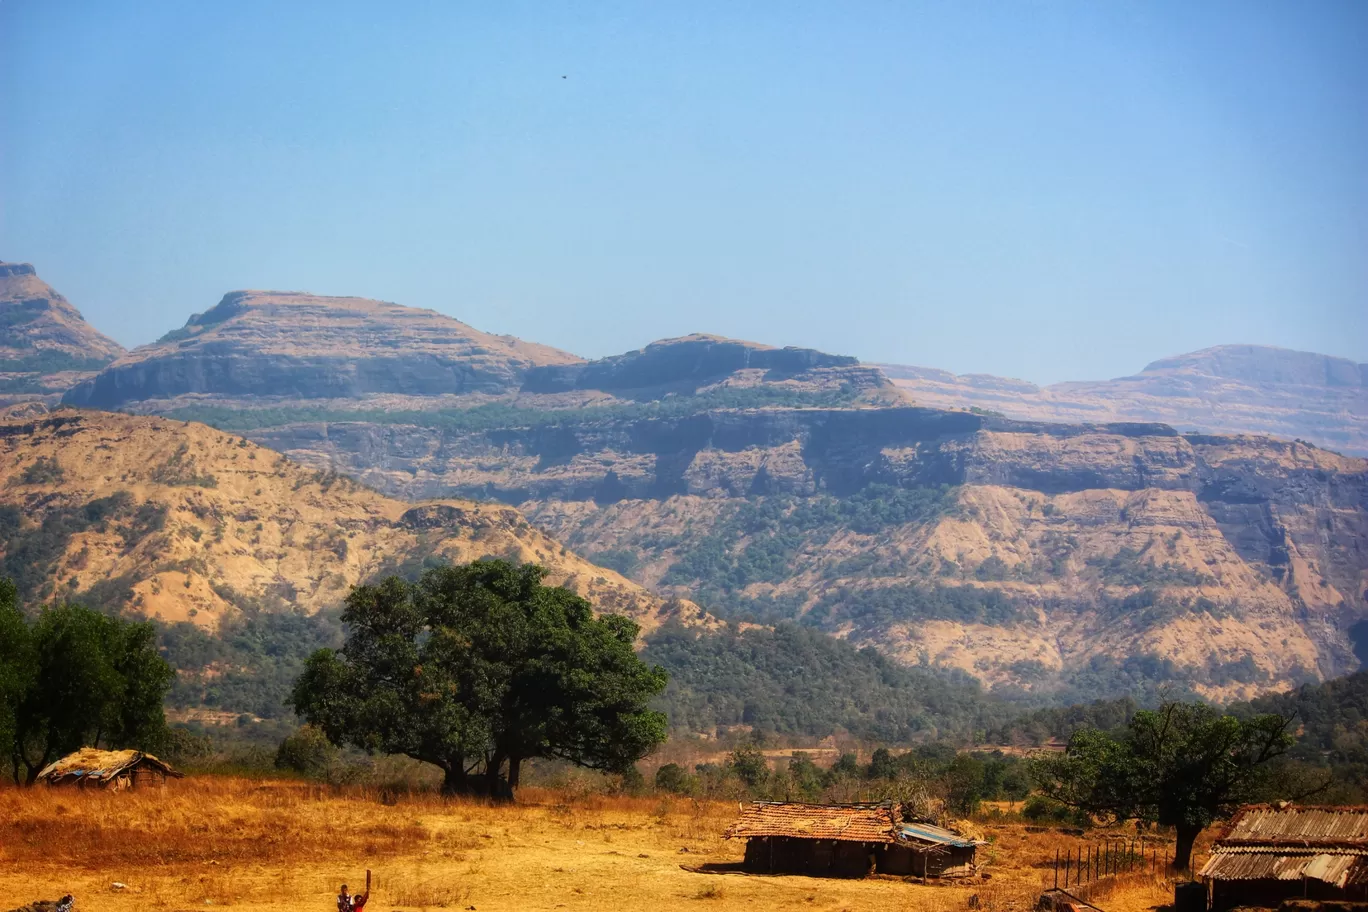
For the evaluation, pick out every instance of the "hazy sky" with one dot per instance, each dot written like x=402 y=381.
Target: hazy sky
x=1048 y=190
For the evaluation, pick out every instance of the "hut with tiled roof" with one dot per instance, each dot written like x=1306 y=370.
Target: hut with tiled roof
x=90 y=767
x=1268 y=853
x=847 y=840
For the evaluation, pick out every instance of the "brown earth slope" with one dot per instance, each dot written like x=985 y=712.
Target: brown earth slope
x=182 y=522
x=1030 y=555
x=1232 y=389
x=46 y=346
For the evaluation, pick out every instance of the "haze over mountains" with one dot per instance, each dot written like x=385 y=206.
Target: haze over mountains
x=790 y=484
x=1241 y=389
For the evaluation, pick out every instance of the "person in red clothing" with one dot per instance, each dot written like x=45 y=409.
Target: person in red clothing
x=359 y=900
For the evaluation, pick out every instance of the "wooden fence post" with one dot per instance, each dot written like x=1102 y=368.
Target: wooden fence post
x=1056 y=869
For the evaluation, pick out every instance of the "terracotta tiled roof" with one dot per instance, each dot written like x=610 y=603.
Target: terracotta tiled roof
x=845 y=822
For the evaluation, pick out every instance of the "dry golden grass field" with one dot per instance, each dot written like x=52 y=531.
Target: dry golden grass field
x=274 y=846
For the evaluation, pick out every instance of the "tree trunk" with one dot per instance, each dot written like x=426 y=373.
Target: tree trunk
x=1182 y=852
x=33 y=771
x=514 y=770
x=455 y=781
x=492 y=767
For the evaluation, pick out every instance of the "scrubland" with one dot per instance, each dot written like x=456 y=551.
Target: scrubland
x=276 y=845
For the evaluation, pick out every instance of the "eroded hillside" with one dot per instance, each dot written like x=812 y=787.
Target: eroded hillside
x=185 y=523
x=1030 y=555
x=774 y=484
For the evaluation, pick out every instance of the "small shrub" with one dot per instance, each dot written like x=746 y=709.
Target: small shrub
x=42 y=470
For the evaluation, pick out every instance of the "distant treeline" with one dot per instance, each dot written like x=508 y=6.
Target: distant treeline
x=793 y=682
x=498 y=415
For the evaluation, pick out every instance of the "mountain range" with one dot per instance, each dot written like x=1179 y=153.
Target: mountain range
x=774 y=485
x=1229 y=389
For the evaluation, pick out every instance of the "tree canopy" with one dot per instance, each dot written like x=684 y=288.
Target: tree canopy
x=1184 y=765
x=478 y=668
x=794 y=681
x=75 y=678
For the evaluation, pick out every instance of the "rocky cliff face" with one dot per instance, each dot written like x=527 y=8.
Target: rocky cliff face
x=1029 y=554
x=45 y=345
x=689 y=364
x=288 y=345
x=182 y=522
x=788 y=484
x=1239 y=389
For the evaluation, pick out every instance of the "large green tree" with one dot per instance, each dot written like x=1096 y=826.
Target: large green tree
x=18 y=664
x=478 y=668
x=1185 y=765
x=76 y=678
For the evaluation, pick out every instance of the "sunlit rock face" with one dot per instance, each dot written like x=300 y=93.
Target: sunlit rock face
x=263 y=343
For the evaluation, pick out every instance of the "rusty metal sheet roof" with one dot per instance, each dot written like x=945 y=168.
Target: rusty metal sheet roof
x=843 y=822
x=1294 y=825
x=1335 y=869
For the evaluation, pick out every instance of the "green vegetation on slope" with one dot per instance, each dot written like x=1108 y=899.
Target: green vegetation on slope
x=1333 y=720
x=249 y=665
x=31 y=549
x=498 y=415
x=790 y=681
x=875 y=610
x=758 y=541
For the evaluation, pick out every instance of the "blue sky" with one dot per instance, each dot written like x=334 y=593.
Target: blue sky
x=1048 y=190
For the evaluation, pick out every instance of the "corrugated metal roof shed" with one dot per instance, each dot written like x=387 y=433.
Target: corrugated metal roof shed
x=1338 y=870
x=1309 y=825
x=925 y=832
x=841 y=822
x=1290 y=842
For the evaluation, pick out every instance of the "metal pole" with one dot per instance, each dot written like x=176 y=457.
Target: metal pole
x=1056 y=886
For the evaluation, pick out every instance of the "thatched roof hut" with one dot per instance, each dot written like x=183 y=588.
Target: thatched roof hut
x=847 y=840
x=117 y=770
